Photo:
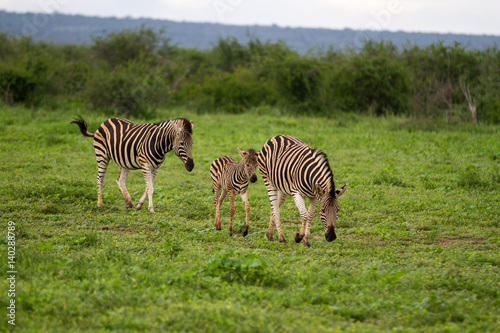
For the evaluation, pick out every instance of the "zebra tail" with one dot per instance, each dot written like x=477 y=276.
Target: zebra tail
x=83 y=125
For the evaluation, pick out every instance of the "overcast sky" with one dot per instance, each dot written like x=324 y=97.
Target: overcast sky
x=455 y=16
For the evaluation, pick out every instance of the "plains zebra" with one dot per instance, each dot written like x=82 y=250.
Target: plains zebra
x=292 y=167
x=231 y=177
x=134 y=146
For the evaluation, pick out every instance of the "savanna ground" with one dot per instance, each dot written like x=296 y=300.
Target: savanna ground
x=417 y=248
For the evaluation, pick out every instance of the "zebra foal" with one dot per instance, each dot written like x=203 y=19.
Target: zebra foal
x=138 y=146
x=229 y=176
x=290 y=167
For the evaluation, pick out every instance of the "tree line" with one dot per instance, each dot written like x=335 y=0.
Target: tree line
x=132 y=72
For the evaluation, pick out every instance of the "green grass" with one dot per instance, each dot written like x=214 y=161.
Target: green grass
x=417 y=248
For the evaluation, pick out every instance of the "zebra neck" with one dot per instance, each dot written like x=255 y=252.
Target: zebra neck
x=240 y=171
x=169 y=135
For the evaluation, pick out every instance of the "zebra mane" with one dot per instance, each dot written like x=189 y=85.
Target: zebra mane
x=322 y=159
x=183 y=122
x=186 y=124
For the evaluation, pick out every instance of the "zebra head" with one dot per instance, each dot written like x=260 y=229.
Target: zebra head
x=250 y=163
x=183 y=142
x=329 y=209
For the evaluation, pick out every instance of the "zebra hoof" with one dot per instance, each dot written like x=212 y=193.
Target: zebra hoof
x=298 y=238
x=283 y=241
x=245 y=233
x=129 y=205
x=307 y=244
x=230 y=234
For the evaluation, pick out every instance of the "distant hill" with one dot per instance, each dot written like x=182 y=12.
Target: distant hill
x=78 y=29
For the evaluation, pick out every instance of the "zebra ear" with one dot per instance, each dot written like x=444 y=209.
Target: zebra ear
x=192 y=124
x=242 y=153
x=340 y=191
x=319 y=190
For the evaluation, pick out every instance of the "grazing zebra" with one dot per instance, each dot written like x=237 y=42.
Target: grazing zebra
x=134 y=146
x=231 y=177
x=292 y=167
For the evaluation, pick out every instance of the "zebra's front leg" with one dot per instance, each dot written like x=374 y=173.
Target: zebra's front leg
x=219 y=200
x=274 y=196
x=149 y=175
x=142 y=200
x=281 y=199
x=122 y=178
x=244 y=197
x=231 y=211
x=306 y=217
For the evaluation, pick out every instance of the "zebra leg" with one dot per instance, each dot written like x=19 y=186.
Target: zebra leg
x=122 y=178
x=142 y=200
x=149 y=176
x=305 y=229
x=231 y=211
x=101 y=172
x=281 y=199
x=244 y=197
x=217 y=188
x=304 y=216
x=274 y=197
x=221 y=198
x=270 y=229
x=216 y=200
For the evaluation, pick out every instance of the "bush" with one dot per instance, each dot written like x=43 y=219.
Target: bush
x=128 y=90
x=229 y=265
x=373 y=80
x=127 y=45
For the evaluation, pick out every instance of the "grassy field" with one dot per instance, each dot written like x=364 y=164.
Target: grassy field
x=417 y=248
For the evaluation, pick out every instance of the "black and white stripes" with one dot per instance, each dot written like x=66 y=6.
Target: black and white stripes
x=229 y=176
x=134 y=146
x=290 y=167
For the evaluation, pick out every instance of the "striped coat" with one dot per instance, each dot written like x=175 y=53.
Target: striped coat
x=138 y=146
x=290 y=167
x=229 y=176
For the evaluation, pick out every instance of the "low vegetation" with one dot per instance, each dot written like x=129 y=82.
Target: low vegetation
x=418 y=231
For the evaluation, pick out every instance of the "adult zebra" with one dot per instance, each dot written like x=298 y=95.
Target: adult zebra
x=134 y=146
x=291 y=167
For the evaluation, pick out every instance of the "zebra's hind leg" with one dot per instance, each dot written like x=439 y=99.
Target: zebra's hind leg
x=231 y=211
x=102 y=165
x=244 y=197
x=220 y=199
x=122 y=178
x=217 y=189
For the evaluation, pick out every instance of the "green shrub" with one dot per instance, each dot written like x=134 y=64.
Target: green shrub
x=130 y=90
x=229 y=265
x=373 y=80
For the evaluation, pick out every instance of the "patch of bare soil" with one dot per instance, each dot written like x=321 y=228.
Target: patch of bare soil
x=448 y=241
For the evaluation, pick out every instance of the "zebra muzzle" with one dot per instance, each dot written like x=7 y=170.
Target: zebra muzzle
x=253 y=179
x=330 y=234
x=189 y=164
